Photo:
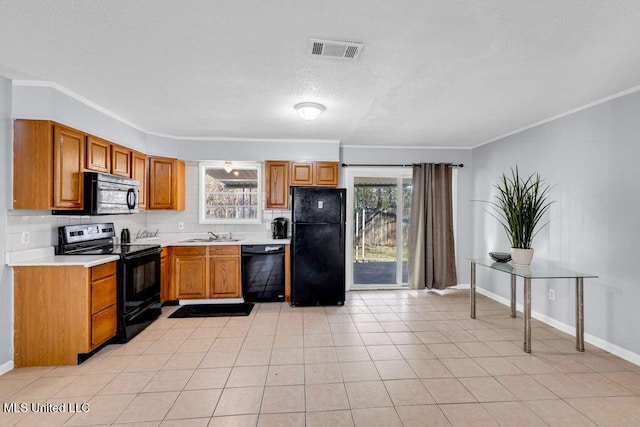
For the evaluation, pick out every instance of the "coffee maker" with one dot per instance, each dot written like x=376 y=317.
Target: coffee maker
x=279 y=228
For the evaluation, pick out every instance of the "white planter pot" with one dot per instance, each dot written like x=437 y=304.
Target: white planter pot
x=521 y=256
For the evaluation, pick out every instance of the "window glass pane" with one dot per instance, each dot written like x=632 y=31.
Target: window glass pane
x=230 y=196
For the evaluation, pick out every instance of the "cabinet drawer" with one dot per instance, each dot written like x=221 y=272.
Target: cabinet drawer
x=224 y=250
x=103 y=325
x=103 y=294
x=164 y=252
x=104 y=270
x=190 y=250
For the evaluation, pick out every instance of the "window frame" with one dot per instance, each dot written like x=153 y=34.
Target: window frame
x=202 y=167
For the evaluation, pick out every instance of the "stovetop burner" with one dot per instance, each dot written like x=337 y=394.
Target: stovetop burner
x=95 y=239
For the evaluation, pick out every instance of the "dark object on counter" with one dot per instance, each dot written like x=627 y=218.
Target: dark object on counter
x=500 y=256
x=212 y=310
x=279 y=228
x=125 y=236
x=317 y=246
x=263 y=273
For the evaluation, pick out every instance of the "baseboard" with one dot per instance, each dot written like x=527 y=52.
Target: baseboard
x=6 y=367
x=571 y=330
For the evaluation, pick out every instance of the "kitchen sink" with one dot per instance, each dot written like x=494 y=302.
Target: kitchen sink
x=212 y=239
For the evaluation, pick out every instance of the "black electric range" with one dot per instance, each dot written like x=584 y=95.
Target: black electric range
x=138 y=273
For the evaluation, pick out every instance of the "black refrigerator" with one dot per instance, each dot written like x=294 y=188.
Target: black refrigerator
x=317 y=246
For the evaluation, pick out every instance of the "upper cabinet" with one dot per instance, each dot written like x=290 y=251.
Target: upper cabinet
x=280 y=174
x=277 y=184
x=314 y=173
x=104 y=156
x=139 y=172
x=68 y=165
x=120 y=161
x=166 y=183
x=326 y=174
x=302 y=173
x=98 y=154
x=48 y=161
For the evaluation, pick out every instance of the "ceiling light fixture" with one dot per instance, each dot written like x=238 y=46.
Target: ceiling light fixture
x=228 y=167
x=309 y=110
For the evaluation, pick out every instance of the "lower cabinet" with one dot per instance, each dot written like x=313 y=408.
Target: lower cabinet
x=207 y=272
x=62 y=312
x=166 y=290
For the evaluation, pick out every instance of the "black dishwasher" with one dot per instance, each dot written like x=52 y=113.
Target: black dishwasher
x=263 y=273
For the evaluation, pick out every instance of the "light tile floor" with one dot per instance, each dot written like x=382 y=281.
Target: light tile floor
x=387 y=358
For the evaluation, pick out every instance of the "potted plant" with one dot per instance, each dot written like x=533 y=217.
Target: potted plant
x=519 y=206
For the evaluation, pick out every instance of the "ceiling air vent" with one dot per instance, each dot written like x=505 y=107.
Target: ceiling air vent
x=335 y=49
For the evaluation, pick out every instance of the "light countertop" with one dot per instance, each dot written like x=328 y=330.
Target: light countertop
x=46 y=256
x=180 y=239
x=43 y=257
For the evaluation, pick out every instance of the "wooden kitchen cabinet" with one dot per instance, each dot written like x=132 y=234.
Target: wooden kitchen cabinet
x=120 y=161
x=98 y=154
x=277 y=184
x=302 y=173
x=166 y=291
x=224 y=272
x=62 y=313
x=68 y=166
x=139 y=172
x=48 y=161
x=106 y=157
x=207 y=271
x=190 y=272
x=166 y=183
x=326 y=174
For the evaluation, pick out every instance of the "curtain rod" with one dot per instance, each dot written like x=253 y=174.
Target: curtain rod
x=371 y=165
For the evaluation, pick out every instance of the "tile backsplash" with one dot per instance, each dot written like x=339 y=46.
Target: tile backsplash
x=42 y=226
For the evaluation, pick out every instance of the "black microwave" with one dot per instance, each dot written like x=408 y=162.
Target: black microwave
x=107 y=195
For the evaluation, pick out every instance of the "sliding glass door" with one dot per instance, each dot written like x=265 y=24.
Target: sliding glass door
x=379 y=212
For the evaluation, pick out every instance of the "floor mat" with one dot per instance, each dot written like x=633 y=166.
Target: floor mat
x=212 y=310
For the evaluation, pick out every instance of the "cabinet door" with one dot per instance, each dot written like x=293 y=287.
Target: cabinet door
x=103 y=325
x=165 y=279
x=327 y=174
x=32 y=164
x=164 y=183
x=191 y=277
x=225 y=277
x=139 y=172
x=98 y=154
x=277 y=180
x=68 y=165
x=120 y=161
x=301 y=173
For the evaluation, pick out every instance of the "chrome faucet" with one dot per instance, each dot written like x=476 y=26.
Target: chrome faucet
x=214 y=235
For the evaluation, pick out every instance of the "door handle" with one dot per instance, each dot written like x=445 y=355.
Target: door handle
x=131 y=198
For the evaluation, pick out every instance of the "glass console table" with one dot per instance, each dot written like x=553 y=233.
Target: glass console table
x=537 y=270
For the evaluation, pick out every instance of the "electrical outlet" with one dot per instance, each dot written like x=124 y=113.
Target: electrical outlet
x=181 y=225
x=26 y=237
x=552 y=294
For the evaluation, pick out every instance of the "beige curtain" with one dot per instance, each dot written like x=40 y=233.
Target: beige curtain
x=432 y=261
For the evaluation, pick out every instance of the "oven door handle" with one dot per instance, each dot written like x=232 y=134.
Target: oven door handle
x=142 y=255
x=131 y=198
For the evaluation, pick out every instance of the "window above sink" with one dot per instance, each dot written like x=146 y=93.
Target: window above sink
x=230 y=192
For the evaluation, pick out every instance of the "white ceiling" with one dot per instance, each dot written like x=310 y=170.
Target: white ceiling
x=432 y=73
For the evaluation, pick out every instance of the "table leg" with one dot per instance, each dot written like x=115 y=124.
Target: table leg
x=527 y=315
x=513 y=295
x=579 y=314
x=472 y=291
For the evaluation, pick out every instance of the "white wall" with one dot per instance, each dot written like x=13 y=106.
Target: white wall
x=395 y=155
x=6 y=278
x=591 y=157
